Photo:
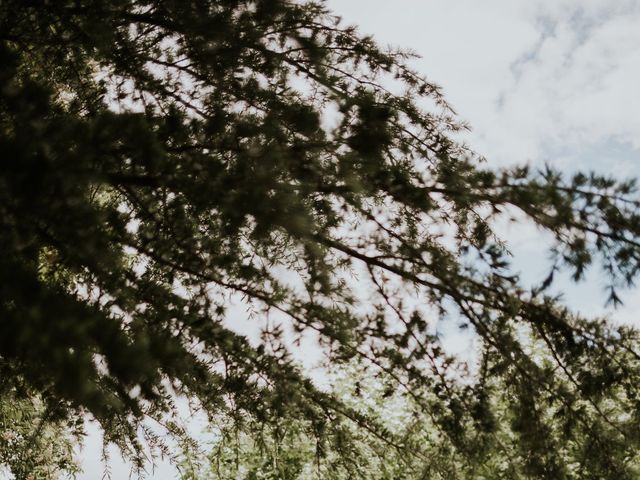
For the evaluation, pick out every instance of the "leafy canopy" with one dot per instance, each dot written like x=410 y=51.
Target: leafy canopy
x=161 y=158
x=286 y=450
x=32 y=445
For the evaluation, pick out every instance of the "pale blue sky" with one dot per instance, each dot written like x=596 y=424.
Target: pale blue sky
x=539 y=80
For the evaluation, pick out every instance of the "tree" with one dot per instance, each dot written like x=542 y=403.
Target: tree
x=289 y=450
x=32 y=445
x=159 y=157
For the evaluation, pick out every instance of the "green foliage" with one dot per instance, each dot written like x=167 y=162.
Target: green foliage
x=34 y=444
x=158 y=158
x=509 y=435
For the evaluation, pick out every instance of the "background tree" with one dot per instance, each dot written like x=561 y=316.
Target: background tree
x=288 y=449
x=159 y=157
x=33 y=444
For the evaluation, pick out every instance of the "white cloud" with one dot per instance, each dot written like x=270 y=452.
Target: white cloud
x=532 y=78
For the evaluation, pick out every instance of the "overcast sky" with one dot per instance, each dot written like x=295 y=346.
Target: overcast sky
x=539 y=81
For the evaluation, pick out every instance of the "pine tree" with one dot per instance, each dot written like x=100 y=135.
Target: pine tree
x=159 y=158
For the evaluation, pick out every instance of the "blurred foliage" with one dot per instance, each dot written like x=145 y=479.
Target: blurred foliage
x=162 y=159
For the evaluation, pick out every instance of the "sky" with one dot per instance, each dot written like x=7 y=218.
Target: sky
x=539 y=81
